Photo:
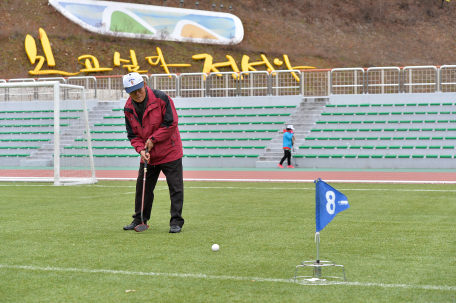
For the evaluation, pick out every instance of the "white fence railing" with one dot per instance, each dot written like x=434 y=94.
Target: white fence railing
x=166 y=83
x=347 y=81
x=222 y=84
x=420 y=79
x=316 y=83
x=253 y=84
x=383 y=80
x=285 y=83
x=192 y=85
x=3 y=91
x=447 y=78
x=308 y=83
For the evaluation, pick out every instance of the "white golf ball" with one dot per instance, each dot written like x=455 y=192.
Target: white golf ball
x=215 y=247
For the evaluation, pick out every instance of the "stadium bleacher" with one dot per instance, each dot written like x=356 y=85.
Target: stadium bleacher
x=231 y=133
x=384 y=131
x=206 y=132
x=377 y=133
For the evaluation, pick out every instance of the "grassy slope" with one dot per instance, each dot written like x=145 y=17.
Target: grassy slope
x=325 y=34
x=392 y=234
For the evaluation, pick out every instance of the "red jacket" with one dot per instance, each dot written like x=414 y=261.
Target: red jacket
x=159 y=123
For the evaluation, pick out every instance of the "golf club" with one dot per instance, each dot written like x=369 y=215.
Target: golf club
x=142 y=226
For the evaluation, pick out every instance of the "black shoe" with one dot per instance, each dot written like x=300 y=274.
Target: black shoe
x=175 y=229
x=131 y=226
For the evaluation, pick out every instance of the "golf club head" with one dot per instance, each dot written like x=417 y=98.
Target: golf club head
x=141 y=227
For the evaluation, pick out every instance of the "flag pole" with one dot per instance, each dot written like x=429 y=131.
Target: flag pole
x=329 y=202
x=318 y=268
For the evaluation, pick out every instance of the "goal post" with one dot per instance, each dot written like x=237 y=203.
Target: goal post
x=46 y=139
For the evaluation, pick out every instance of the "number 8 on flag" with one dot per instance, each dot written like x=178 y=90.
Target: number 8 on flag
x=329 y=202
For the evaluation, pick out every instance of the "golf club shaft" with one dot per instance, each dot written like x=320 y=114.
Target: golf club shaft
x=143 y=190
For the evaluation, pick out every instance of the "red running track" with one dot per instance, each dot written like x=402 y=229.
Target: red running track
x=300 y=176
x=268 y=176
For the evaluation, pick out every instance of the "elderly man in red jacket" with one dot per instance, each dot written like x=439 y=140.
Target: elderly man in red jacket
x=151 y=122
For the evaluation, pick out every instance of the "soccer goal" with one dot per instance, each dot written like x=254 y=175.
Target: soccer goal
x=45 y=134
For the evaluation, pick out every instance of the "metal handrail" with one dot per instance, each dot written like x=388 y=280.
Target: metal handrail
x=22 y=80
x=87 y=81
x=440 y=76
x=214 y=74
x=60 y=79
x=203 y=79
x=264 y=85
x=6 y=90
x=241 y=78
x=411 y=68
x=153 y=82
x=382 y=85
x=35 y=90
x=356 y=69
x=293 y=72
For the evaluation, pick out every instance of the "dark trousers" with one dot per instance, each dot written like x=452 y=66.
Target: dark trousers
x=175 y=179
x=287 y=155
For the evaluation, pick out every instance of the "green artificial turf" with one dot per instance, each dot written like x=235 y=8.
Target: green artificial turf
x=66 y=244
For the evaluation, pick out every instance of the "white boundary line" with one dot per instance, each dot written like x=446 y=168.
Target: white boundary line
x=243 y=188
x=253 y=180
x=293 y=181
x=233 y=278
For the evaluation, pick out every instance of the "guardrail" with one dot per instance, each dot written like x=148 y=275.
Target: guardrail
x=192 y=85
x=308 y=83
x=316 y=83
x=253 y=84
x=383 y=80
x=447 y=78
x=421 y=79
x=347 y=81
x=166 y=83
x=223 y=84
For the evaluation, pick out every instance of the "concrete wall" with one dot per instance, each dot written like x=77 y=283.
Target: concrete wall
x=393 y=98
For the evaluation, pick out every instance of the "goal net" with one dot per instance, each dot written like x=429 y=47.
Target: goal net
x=45 y=134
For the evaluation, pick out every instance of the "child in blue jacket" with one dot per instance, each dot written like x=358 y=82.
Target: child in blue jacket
x=288 y=140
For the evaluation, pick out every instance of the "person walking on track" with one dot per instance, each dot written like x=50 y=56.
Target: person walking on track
x=151 y=123
x=288 y=141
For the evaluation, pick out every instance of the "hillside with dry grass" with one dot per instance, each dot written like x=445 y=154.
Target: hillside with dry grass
x=324 y=34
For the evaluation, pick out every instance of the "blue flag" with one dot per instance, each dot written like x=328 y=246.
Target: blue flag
x=329 y=202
